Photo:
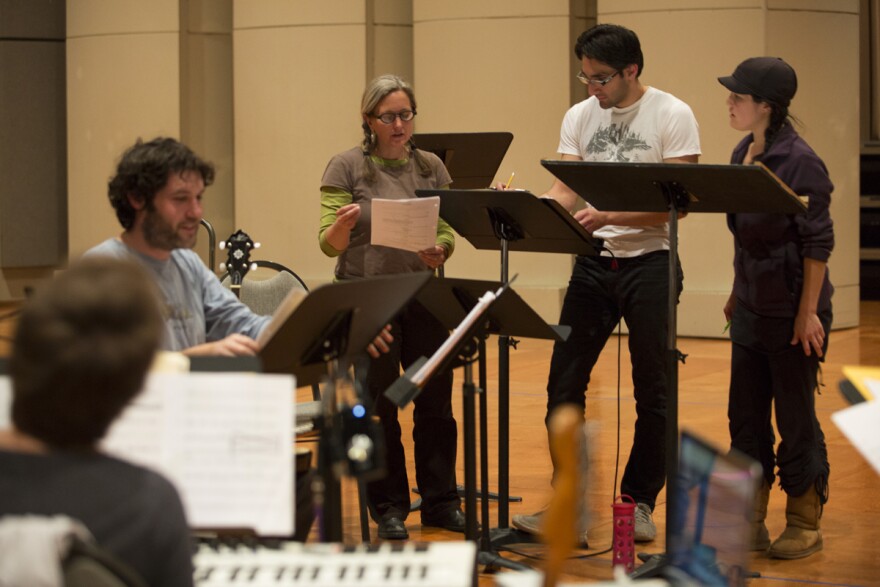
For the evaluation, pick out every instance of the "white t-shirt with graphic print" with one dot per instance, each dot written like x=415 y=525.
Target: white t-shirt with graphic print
x=658 y=126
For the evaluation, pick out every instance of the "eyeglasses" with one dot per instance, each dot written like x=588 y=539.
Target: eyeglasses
x=595 y=82
x=403 y=115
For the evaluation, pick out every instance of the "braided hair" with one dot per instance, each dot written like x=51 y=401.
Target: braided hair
x=780 y=117
x=374 y=93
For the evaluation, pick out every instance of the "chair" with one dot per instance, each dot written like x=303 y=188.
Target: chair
x=265 y=285
x=46 y=550
x=212 y=242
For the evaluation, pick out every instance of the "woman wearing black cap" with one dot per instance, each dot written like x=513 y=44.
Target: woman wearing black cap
x=779 y=309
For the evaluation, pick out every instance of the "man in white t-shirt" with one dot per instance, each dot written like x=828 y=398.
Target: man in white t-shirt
x=623 y=121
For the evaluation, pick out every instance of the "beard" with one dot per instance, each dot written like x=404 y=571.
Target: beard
x=160 y=234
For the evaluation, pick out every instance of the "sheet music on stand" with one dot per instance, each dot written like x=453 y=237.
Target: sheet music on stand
x=408 y=385
x=225 y=441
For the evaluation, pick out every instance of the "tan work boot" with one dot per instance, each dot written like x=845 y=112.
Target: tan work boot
x=801 y=536
x=759 y=536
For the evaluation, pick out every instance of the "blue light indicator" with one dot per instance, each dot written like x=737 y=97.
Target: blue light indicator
x=358 y=411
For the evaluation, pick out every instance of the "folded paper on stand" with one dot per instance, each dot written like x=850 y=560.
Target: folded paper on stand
x=409 y=224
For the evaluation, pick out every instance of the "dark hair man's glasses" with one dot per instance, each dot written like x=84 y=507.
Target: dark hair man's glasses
x=403 y=115
x=595 y=82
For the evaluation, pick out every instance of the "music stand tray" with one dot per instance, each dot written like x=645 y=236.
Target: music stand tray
x=450 y=299
x=337 y=321
x=485 y=217
x=638 y=187
x=472 y=159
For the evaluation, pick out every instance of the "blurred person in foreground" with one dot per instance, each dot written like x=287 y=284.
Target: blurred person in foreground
x=79 y=355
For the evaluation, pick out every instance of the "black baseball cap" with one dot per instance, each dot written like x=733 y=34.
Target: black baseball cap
x=770 y=78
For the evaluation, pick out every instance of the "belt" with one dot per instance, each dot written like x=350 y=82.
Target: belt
x=617 y=263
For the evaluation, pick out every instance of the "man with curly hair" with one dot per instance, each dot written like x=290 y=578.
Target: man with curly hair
x=157 y=194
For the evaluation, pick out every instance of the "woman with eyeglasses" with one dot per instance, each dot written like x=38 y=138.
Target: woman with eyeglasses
x=388 y=165
x=780 y=309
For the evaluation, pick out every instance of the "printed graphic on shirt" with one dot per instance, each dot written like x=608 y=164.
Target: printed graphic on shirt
x=616 y=142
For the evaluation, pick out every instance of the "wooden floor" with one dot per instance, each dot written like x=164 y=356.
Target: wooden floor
x=851 y=522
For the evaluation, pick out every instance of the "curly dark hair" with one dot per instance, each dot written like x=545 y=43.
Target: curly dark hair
x=612 y=44
x=81 y=351
x=144 y=169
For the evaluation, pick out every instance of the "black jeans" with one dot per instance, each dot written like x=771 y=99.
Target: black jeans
x=600 y=292
x=416 y=333
x=766 y=373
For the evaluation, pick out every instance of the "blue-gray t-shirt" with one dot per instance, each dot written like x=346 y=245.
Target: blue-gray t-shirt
x=196 y=306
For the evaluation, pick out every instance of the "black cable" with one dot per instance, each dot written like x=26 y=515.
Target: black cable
x=617 y=452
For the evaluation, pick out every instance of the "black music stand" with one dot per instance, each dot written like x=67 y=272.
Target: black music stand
x=451 y=300
x=472 y=159
x=510 y=221
x=675 y=188
x=325 y=333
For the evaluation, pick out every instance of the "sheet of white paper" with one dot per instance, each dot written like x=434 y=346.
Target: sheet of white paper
x=224 y=439
x=409 y=224
x=139 y=434
x=859 y=424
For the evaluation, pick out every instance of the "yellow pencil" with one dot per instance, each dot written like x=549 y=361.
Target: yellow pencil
x=507 y=187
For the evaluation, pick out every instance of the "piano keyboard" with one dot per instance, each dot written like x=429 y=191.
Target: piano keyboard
x=433 y=564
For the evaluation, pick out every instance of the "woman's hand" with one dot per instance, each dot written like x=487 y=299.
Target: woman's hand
x=338 y=234
x=433 y=257
x=347 y=216
x=729 y=306
x=808 y=332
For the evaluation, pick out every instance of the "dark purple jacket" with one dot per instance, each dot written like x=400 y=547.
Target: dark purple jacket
x=770 y=248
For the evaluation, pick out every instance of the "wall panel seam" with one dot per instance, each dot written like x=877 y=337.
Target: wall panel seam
x=299 y=26
x=481 y=18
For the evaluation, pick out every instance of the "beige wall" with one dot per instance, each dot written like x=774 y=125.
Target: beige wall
x=206 y=104
x=271 y=90
x=123 y=82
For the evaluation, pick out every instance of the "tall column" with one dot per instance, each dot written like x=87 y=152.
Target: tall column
x=33 y=160
x=123 y=82
x=206 y=108
x=503 y=65
x=687 y=45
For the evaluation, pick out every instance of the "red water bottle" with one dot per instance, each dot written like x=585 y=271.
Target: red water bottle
x=623 y=544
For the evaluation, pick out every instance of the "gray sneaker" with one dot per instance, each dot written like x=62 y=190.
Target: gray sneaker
x=533 y=524
x=645 y=530
x=530 y=524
